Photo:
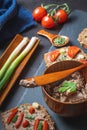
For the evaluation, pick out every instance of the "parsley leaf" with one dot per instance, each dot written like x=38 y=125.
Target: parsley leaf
x=67 y=85
x=30 y=117
x=59 y=40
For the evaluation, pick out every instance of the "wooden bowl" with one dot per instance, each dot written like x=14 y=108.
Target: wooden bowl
x=66 y=109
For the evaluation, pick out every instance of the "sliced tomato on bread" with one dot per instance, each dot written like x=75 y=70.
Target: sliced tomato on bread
x=73 y=51
x=54 y=55
x=83 y=61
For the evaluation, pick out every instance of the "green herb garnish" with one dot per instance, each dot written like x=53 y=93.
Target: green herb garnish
x=40 y=126
x=67 y=85
x=59 y=40
x=30 y=117
x=15 y=119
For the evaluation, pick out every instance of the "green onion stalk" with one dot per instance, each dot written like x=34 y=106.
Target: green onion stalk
x=13 y=56
x=16 y=62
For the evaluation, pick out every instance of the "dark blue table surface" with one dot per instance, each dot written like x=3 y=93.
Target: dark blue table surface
x=36 y=65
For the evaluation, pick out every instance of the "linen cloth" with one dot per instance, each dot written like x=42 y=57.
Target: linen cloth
x=13 y=19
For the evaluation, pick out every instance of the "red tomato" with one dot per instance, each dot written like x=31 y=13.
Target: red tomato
x=19 y=120
x=12 y=114
x=47 y=22
x=36 y=123
x=83 y=61
x=25 y=123
x=31 y=110
x=45 y=125
x=53 y=55
x=72 y=51
x=39 y=13
x=61 y=16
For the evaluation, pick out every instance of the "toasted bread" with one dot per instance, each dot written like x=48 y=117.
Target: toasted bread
x=31 y=113
x=82 y=38
x=65 y=54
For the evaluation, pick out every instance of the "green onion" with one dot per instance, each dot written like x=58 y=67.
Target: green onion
x=16 y=62
x=13 y=56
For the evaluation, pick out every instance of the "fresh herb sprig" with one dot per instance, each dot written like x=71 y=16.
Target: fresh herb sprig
x=30 y=117
x=67 y=85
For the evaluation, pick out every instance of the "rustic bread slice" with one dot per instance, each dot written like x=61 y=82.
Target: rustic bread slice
x=82 y=38
x=27 y=116
x=65 y=54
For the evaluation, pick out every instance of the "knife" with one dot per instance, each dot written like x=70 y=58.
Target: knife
x=45 y=79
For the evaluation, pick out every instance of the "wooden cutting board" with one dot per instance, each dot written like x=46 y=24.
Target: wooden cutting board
x=17 y=39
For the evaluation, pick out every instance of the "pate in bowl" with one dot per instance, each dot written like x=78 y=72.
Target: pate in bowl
x=67 y=97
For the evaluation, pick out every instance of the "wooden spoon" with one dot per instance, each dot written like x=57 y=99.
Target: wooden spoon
x=56 y=40
x=49 y=78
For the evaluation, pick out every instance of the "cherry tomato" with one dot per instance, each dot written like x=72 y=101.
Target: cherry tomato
x=53 y=55
x=83 y=61
x=31 y=110
x=25 y=123
x=61 y=16
x=72 y=51
x=39 y=13
x=47 y=22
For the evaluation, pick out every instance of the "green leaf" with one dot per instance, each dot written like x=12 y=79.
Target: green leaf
x=15 y=119
x=67 y=85
x=59 y=40
x=40 y=126
x=30 y=117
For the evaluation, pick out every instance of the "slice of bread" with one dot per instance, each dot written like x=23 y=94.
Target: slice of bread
x=27 y=117
x=64 y=55
x=82 y=38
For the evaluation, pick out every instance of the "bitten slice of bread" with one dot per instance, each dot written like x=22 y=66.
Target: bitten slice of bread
x=82 y=38
x=27 y=117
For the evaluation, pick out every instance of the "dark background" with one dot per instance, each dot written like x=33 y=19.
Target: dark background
x=17 y=92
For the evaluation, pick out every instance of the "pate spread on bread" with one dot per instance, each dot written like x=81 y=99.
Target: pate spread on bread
x=27 y=117
x=82 y=38
x=65 y=53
